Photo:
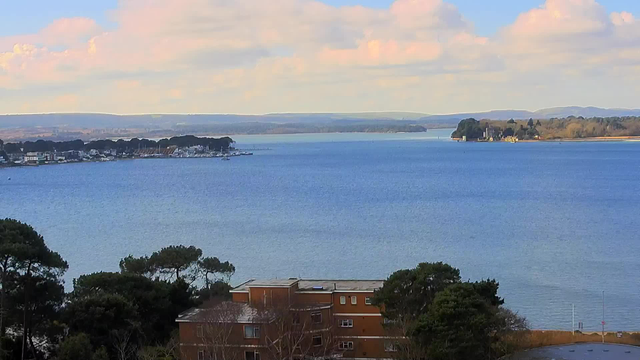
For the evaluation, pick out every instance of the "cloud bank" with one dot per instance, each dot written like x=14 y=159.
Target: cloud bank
x=247 y=56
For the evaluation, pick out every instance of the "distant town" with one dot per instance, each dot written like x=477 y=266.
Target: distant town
x=48 y=152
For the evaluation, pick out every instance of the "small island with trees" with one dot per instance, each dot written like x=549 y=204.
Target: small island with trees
x=570 y=128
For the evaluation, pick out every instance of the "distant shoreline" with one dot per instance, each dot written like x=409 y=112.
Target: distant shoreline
x=589 y=139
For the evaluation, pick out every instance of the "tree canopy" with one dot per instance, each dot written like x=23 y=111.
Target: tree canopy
x=458 y=325
x=567 y=128
x=120 y=145
x=30 y=281
x=115 y=313
x=443 y=317
x=407 y=294
x=77 y=347
x=175 y=259
x=470 y=128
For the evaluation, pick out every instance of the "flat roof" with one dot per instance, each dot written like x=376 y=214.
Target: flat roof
x=314 y=285
x=272 y=282
x=228 y=312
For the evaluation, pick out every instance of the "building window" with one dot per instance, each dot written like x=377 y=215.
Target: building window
x=316 y=317
x=368 y=301
x=251 y=332
x=346 y=323
x=345 y=345
x=199 y=331
x=343 y=300
x=317 y=340
x=201 y=355
x=251 y=355
x=390 y=346
x=354 y=300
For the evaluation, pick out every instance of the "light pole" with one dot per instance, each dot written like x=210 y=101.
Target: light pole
x=573 y=319
x=603 y=317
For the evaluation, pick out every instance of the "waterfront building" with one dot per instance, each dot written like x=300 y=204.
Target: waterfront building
x=292 y=318
x=34 y=157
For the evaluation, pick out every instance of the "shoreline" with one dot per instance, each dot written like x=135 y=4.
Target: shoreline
x=590 y=139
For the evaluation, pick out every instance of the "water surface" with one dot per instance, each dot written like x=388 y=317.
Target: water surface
x=555 y=223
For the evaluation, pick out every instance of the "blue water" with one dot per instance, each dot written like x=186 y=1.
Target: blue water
x=555 y=223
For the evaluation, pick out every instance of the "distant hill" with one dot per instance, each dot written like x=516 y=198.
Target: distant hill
x=167 y=121
x=171 y=121
x=557 y=112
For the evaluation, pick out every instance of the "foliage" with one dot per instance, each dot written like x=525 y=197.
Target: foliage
x=216 y=290
x=407 y=294
x=470 y=128
x=138 y=266
x=175 y=259
x=566 y=128
x=151 y=298
x=444 y=318
x=100 y=314
x=30 y=283
x=115 y=313
x=77 y=347
x=120 y=145
x=100 y=354
x=213 y=265
x=458 y=325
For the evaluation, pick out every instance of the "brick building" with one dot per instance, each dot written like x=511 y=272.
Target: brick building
x=289 y=319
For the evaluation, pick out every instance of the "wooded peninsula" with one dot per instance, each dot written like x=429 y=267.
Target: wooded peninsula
x=551 y=129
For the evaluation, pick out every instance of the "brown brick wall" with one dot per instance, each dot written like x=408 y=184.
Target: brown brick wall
x=367 y=333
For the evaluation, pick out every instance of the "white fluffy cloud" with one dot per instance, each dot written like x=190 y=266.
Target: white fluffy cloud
x=249 y=56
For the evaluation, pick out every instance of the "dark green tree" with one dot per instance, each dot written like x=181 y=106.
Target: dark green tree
x=507 y=132
x=470 y=128
x=511 y=121
x=27 y=261
x=407 y=294
x=100 y=354
x=174 y=260
x=139 y=266
x=98 y=315
x=77 y=347
x=43 y=312
x=458 y=326
x=152 y=299
x=538 y=123
x=530 y=123
x=213 y=266
x=217 y=290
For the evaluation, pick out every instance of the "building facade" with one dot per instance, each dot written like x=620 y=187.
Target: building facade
x=289 y=319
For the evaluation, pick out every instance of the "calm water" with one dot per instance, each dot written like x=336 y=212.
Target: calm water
x=555 y=223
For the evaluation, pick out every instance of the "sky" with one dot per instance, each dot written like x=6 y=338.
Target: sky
x=258 y=56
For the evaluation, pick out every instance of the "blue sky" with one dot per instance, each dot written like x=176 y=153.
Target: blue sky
x=19 y=16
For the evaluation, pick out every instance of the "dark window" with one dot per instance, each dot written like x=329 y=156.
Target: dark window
x=317 y=340
x=316 y=317
x=346 y=323
x=368 y=301
x=296 y=319
x=346 y=345
x=251 y=355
